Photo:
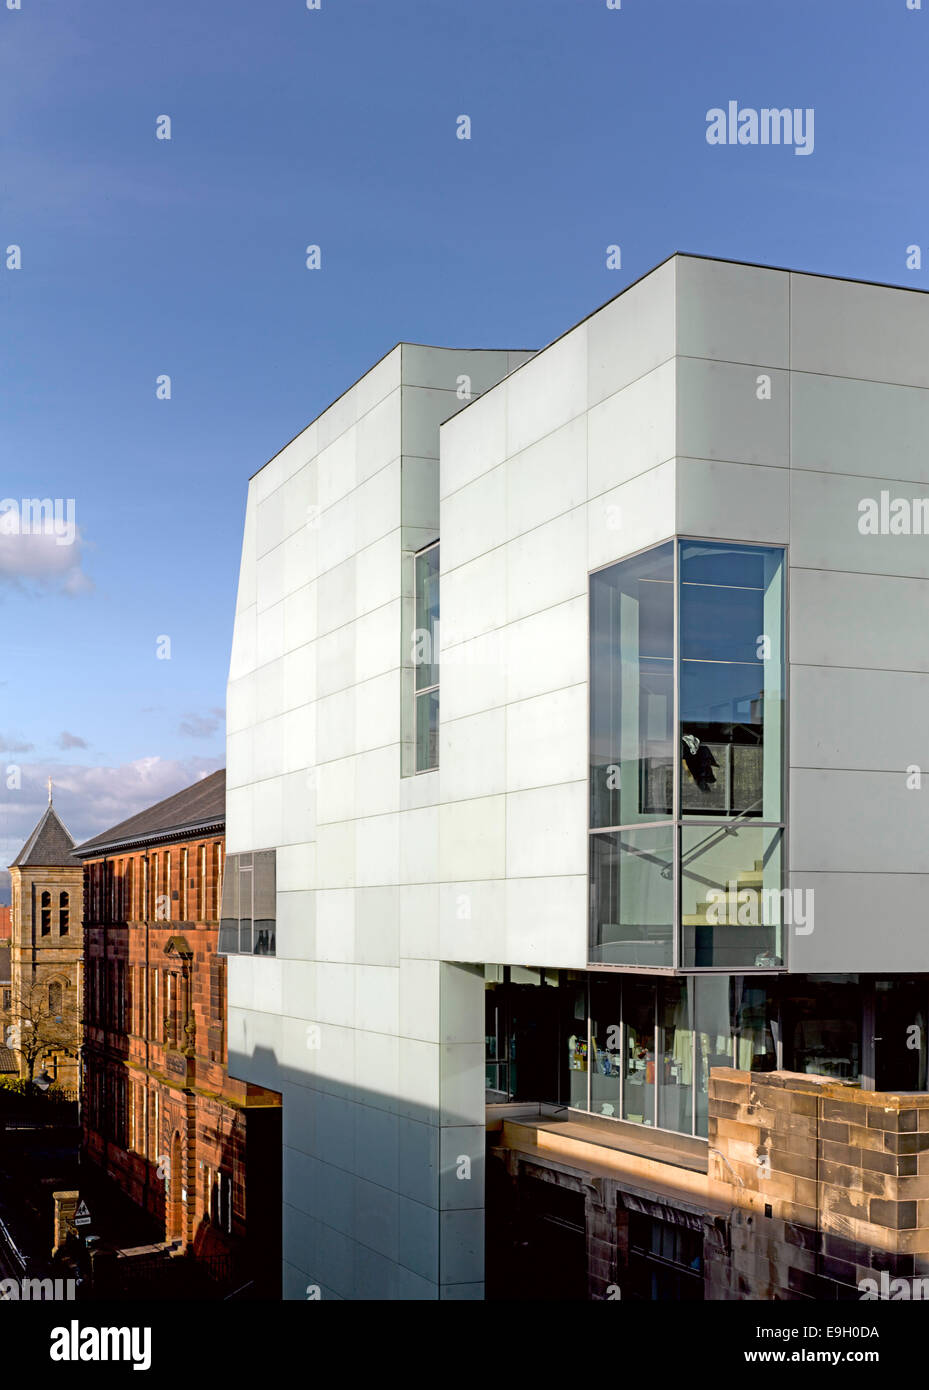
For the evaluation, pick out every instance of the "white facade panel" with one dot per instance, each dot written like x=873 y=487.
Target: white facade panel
x=710 y=400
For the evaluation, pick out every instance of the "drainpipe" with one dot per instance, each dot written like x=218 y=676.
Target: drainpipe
x=144 y=888
x=104 y=910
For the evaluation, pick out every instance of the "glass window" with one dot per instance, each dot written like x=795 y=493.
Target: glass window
x=573 y=1000
x=229 y=912
x=729 y=690
x=731 y=680
x=639 y=1072
x=632 y=689
x=675 y=1056
x=754 y=1021
x=426 y=658
x=495 y=1043
x=248 y=912
x=605 y=1045
x=900 y=1035
x=624 y=1047
x=427 y=730
x=731 y=896
x=713 y=1038
x=665 y=1260
x=245 y=904
x=265 y=902
x=632 y=896
x=822 y=1026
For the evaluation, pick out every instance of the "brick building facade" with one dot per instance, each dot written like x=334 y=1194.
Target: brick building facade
x=161 y=1116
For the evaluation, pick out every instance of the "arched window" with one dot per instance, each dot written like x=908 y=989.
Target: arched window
x=64 y=914
x=46 y=913
x=54 y=999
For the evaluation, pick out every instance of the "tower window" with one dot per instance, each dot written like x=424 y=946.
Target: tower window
x=46 y=913
x=64 y=914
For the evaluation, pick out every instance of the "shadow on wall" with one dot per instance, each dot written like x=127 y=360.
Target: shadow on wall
x=383 y=1195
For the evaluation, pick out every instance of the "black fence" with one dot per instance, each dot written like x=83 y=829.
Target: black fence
x=26 y=1106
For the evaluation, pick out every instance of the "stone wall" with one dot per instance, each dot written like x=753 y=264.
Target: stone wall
x=829 y=1185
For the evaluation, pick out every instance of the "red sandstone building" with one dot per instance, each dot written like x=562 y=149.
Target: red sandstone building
x=161 y=1116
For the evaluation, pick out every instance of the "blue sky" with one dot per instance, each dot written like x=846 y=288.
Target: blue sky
x=338 y=127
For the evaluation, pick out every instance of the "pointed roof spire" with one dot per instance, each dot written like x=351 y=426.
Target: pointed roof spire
x=49 y=844
x=49 y=791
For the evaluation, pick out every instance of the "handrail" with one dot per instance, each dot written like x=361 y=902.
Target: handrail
x=14 y=1248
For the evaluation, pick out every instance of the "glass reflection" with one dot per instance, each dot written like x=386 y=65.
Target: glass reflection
x=639 y=1066
x=632 y=896
x=676 y=1056
x=713 y=1038
x=632 y=689
x=731 y=680
x=731 y=896
x=606 y=1046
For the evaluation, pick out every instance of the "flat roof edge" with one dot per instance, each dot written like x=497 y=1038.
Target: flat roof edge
x=401 y=344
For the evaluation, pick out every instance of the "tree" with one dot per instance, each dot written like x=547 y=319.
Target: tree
x=43 y=1020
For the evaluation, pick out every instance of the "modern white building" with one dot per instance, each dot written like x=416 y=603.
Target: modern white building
x=653 y=803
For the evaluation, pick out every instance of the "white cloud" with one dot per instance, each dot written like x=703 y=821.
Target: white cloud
x=91 y=799
x=36 y=562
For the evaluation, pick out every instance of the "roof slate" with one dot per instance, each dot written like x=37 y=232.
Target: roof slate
x=50 y=843
x=202 y=804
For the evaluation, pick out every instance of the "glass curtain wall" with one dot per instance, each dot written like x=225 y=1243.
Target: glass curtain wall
x=731 y=615
x=641 y=1048
x=653 y=1042
x=632 y=760
x=687 y=826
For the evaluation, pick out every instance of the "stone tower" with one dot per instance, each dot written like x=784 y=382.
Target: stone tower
x=46 y=951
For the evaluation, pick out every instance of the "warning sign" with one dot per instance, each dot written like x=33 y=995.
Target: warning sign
x=82 y=1215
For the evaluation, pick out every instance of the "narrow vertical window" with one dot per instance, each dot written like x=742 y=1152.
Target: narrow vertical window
x=217 y=1007
x=167 y=1029
x=246 y=937
x=215 y=877
x=229 y=910
x=426 y=659
x=64 y=914
x=46 y=913
x=184 y=857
